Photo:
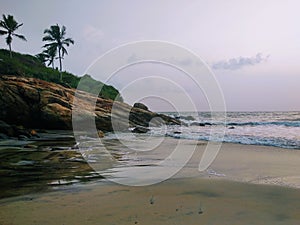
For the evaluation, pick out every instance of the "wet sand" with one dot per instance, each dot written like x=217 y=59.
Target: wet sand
x=232 y=191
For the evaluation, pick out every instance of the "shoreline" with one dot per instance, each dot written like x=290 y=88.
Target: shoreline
x=190 y=196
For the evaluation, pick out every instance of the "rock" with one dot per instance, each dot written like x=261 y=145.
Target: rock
x=176 y=132
x=140 y=106
x=3 y=136
x=100 y=134
x=30 y=146
x=140 y=130
x=22 y=137
x=231 y=127
x=6 y=129
x=34 y=103
x=197 y=124
x=33 y=132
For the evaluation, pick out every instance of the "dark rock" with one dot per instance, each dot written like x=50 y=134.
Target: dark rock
x=140 y=106
x=231 y=127
x=176 y=132
x=6 y=129
x=22 y=137
x=3 y=136
x=30 y=146
x=208 y=124
x=197 y=124
x=140 y=130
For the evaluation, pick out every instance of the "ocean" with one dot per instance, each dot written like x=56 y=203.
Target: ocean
x=279 y=129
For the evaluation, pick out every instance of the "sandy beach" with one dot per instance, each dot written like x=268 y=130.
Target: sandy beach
x=246 y=184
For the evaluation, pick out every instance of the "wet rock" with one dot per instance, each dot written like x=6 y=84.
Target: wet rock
x=30 y=146
x=197 y=124
x=22 y=137
x=3 y=136
x=6 y=129
x=140 y=130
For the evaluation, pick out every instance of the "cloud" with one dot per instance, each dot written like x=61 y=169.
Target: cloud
x=93 y=34
x=239 y=62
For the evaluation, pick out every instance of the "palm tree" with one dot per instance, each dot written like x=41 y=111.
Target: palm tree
x=10 y=26
x=48 y=55
x=55 y=36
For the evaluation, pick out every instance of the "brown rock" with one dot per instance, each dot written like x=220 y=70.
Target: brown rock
x=34 y=103
x=100 y=134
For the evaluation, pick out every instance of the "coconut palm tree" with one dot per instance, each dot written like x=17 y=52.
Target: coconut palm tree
x=55 y=36
x=48 y=55
x=10 y=26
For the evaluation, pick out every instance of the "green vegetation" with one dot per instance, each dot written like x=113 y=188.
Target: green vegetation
x=35 y=66
x=10 y=25
x=32 y=66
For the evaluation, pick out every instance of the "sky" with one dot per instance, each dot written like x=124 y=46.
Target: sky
x=252 y=47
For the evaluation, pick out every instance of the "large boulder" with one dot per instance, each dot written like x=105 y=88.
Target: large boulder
x=140 y=106
x=34 y=103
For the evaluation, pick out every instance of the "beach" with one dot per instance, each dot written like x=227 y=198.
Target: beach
x=246 y=184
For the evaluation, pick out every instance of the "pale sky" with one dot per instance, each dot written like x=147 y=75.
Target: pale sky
x=252 y=46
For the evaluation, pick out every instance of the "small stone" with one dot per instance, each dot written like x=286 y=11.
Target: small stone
x=100 y=134
x=33 y=132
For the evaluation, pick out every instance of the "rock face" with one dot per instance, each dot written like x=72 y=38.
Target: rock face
x=34 y=103
x=140 y=106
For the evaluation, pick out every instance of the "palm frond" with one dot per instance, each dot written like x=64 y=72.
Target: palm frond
x=64 y=51
x=3 y=32
x=48 y=38
x=22 y=37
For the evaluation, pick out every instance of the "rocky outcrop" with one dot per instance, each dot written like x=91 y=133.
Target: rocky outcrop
x=34 y=103
x=140 y=106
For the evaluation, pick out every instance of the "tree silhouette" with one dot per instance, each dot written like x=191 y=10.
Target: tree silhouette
x=10 y=26
x=48 y=55
x=55 y=36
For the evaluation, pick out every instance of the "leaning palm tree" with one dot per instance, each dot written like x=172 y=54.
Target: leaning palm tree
x=48 y=55
x=55 y=36
x=10 y=26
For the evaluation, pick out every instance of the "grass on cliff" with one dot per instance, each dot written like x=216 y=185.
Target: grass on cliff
x=30 y=66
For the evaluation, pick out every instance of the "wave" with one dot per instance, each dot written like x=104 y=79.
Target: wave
x=274 y=123
x=243 y=139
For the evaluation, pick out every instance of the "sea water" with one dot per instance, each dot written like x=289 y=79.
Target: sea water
x=279 y=129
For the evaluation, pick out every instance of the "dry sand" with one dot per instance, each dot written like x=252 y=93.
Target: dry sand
x=190 y=197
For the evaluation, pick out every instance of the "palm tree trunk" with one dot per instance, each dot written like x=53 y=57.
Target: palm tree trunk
x=10 y=54
x=60 y=65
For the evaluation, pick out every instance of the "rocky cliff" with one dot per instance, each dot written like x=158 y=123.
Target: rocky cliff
x=35 y=103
